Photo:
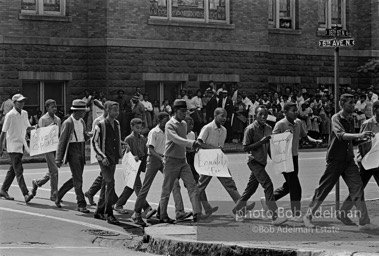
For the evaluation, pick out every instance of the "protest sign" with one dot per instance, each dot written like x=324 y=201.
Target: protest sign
x=281 y=152
x=44 y=140
x=130 y=169
x=371 y=159
x=211 y=162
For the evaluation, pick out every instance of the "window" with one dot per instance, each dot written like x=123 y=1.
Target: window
x=38 y=92
x=332 y=12
x=163 y=90
x=44 y=7
x=205 y=11
x=281 y=14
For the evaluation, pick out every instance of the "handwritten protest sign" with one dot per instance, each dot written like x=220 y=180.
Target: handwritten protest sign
x=44 y=140
x=281 y=152
x=212 y=162
x=371 y=159
x=130 y=169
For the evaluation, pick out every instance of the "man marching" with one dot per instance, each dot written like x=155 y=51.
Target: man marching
x=46 y=120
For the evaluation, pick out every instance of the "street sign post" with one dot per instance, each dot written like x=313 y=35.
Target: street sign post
x=342 y=38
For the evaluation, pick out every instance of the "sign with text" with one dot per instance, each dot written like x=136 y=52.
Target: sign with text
x=370 y=160
x=44 y=140
x=130 y=169
x=211 y=162
x=337 y=32
x=281 y=152
x=348 y=42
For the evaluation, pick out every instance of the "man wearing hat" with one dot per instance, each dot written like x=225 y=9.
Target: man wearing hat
x=340 y=162
x=176 y=165
x=71 y=150
x=15 y=127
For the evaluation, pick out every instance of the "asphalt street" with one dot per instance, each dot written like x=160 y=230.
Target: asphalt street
x=43 y=227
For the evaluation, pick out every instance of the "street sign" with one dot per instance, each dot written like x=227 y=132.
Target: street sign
x=348 y=42
x=337 y=32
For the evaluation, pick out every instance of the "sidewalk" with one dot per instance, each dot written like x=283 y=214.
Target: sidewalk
x=222 y=235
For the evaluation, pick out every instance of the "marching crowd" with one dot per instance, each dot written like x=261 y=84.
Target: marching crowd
x=175 y=132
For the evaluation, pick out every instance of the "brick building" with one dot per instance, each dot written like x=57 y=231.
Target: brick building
x=58 y=48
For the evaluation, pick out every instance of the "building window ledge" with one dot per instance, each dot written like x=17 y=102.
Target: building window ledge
x=165 y=22
x=39 y=17
x=284 y=31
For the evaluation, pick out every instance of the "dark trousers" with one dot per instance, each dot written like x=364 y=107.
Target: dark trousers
x=15 y=170
x=349 y=172
x=96 y=185
x=76 y=164
x=258 y=176
x=291 y=186
x=107 y=192
x=127 y=192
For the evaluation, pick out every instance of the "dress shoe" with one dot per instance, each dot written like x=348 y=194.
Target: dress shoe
x=99 y=216
x=198 y=217
x=308 y=221
x=83 y=210
x=34 y=187
x=167 y=220
x=112 y=220
x=120 y=210
x=137 y=219
x=5 y=195
x=90 y=199
x=28 y=197
x=150 y=213
x=183 y=215
x=211 y=211
x=346 y=220
x=58 y=203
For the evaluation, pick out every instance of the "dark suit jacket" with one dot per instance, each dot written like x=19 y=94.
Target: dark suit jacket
x=210 y=108
x=64 y=140
x=229 y=108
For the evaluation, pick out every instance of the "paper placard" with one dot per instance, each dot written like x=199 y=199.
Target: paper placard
x=130 y=169
x=371 y=159
x=281 y=152
x=211 y=162
x=44 y=140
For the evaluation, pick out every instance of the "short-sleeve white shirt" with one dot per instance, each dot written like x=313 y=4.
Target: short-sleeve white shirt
x=15 y=125
x=212 y=135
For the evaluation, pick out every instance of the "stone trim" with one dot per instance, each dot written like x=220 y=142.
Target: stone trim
x=39 y=17
x=218 y=78
x=164 y=77
x=284 y=79
x=180 y=45
x=330 y=80
x=165 y=22
x=31 y=75
x=284 y=31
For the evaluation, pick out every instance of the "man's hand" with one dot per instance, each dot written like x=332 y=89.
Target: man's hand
x=59 y=164
x=265 y=140
x=367 y=134
x=105 y=161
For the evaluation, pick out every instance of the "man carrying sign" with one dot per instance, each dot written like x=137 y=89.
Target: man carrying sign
x=107 y=144
x=46 y=120
x=213 y=135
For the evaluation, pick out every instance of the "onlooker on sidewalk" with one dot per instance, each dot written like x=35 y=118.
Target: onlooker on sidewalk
x=292 y=183
x=107 y=145
x=340 y=162
x=71 y=149
x=256 y=141
x=371 y=125
x=156 y=143
x=213 y=136
x=176 y=165
x=16 y=125
x=137 y=144
x=46 y=120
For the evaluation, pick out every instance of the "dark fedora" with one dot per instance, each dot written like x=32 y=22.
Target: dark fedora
x=79 y=105
x=179 y=103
